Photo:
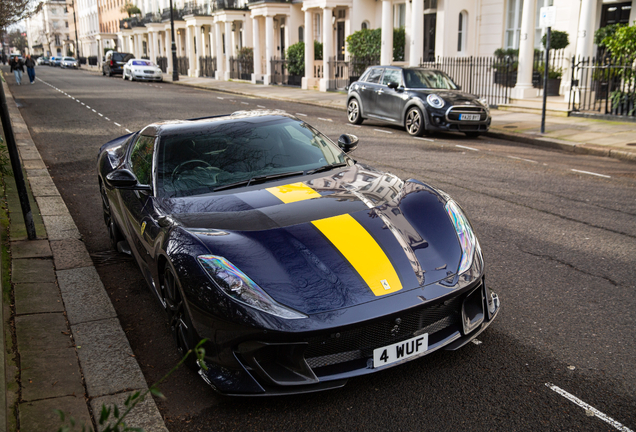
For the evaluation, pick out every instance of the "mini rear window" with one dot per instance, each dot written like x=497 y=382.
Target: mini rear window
x=121 y=56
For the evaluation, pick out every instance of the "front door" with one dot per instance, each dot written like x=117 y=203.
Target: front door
x=341 y=41
x=389 y=102
x=429 y=36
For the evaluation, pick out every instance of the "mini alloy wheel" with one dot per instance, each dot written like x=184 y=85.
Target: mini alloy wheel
x=353 y=112
x=415 y=125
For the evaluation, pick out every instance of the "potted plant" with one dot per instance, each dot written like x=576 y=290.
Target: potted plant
x=558 y=40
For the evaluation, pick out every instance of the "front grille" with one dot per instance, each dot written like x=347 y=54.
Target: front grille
x=454 y=112
x=360 y=342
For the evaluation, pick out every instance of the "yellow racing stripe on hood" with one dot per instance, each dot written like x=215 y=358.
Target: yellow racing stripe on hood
x=362 y=252
x=293 y=192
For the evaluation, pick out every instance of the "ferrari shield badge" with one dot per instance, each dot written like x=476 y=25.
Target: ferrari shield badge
x=143 y=228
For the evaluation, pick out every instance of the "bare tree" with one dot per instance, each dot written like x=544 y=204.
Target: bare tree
x=12 y=11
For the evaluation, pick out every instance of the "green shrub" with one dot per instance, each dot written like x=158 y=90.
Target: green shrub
x=558 y=39
x=367 y=43
x=295 y=55
x=623 y=42
x=605 y=32
x=246 y=53
x=399 y=40
x=317 y=50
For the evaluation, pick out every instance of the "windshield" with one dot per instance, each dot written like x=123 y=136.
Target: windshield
x=142 y=63
x=117 y=56
x=241 y=151
x=428 y=79
x=69 y=59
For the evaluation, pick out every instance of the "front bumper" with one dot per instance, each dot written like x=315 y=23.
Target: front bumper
x=143 y=77
x=449 y=120
x=287 y=363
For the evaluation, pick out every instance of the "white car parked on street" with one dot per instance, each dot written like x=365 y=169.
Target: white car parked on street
x=69 y=62
x=145 y=70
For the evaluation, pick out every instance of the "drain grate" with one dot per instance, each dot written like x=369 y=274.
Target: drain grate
x=105 y=258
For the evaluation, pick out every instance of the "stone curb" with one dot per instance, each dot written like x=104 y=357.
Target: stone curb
x=104 y=354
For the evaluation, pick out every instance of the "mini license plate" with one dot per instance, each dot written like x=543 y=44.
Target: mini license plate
x=469 y=117
x=400 y=351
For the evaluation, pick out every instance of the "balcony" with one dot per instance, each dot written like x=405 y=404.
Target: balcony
x=228 y=4
x=191 y=8
x=178 y=14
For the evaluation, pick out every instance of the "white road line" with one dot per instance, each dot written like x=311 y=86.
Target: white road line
x=128 y=131
x=94 y=111
x=591 y=173
x=467 y=148
x=523 y=159
x=425 y=139
x=78 y=101
x=100 y=114
x=301 y=114
x=218 y=97
x=106 y=118
x=82 y=103
x=380 y=130
x=349 y=124
x=324 y=119
x=244 y=103
x=117 y=124
x=260 y=106
x=587 y=407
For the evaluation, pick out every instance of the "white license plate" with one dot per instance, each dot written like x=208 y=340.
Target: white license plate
x=400 y=351
x=469 y=117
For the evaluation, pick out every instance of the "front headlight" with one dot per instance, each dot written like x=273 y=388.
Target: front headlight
x=465 y=234
x=435 y=101
x=239 y=287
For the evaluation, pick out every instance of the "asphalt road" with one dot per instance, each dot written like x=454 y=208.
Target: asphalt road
x=560 y=248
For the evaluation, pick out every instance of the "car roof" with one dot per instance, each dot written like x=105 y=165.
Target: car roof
x=202 y=125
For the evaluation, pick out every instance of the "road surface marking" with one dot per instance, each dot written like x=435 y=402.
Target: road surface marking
x=324 y=119
x=128 y=131
x=78 y=101
x=219 y=97
x=587 y=407
x=260 y=106
x=117 y=124
x=380 y=130
x=244 y=103
x=425 y=139
x=82 y=103
x=523 y=159
x=301 y=114
x=467 y=148
x=591 y=173
x=100 y=114
x=106 y=118
x=94 y=111
x=353 y=125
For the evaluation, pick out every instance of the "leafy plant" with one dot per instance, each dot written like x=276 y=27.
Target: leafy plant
x=623 y=42
x=317 y=50
x=623 y=101
x=605 y=32
x=502 y=53
x=558 y=39
x=553 y=72
x=246 y=53
x=5 y=163
x=399 y=40
x=117 y=423
x=295 y=55
x=130 y=9
x=367 y=43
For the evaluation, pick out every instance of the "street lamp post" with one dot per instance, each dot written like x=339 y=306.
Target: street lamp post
x=175 y=66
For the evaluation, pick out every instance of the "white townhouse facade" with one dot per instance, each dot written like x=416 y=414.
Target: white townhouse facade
x=219 y=29
x=47 y=29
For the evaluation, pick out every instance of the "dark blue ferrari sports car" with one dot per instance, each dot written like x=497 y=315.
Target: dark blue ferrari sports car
x=302 y=267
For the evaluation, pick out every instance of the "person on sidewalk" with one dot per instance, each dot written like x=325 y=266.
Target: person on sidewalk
x=30 y=65
x=17 y=68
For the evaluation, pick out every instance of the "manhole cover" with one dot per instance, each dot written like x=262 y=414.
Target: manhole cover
x=510 y=127
x=109 y=257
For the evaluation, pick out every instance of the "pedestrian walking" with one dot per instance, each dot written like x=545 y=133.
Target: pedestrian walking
x=17 y=68
x=30 y=65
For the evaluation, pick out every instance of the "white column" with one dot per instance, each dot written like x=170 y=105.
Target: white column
x=386 y=50
x=247 y=32
x=287 y=30
x=219 y=51
x=170 y=67
x=189 y=39
x=156 y=45
x=269 y=45
x=256 y=31
x=587 y=17
x=417 y=32
x=523 y=88
x=151 y=46
x=228 y=49
x=327 y=47
x=199 y=53
x=308 y=79
x=348 y=30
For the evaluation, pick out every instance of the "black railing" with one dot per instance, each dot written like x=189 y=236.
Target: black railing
x=192 y=8
x=162 y=62
x=81 y=60
x=92 y=60
x=208 y=66
x=241 y=68
x=226 y=4
x=183 y=65
x=603 y=86
x=280 y=75
x=165 y=14
x=343 y=73
x=488 y=77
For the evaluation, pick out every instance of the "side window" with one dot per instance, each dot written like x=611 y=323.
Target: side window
x=141 y=159
x=375 y=75
x=392 y=75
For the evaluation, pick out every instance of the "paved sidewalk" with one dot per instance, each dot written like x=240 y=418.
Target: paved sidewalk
x=64 y=346
x=580 y=135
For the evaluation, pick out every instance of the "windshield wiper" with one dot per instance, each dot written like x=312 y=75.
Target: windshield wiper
x=326 y=168
x=258 y=179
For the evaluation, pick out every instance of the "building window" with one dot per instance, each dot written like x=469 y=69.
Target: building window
x=365 y=25
x=430 y=4
x=462 y=31
x=301 y=34
x=513 y=23
x=66 y=22
x=317 y=27
x=399 y=15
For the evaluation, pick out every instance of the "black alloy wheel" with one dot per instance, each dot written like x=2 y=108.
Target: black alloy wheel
x=353 y=112
x=178 y=318
x=415 y=124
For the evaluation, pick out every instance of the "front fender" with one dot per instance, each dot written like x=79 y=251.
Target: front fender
x=356 y=97
x=415 y=101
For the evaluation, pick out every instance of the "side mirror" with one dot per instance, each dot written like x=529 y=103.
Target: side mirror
x=124 y=179
x=393 y=85
x=348 y=142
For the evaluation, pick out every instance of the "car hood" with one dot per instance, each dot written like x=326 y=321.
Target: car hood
x=332 y=242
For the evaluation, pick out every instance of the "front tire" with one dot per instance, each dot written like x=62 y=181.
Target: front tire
x=414 y=122
x=353 y=112
x=114 y=234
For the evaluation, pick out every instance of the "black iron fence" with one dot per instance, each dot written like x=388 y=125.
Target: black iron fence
x=183 y=65
x=92 y=61
x=241 y=67
x=343 y=73
x=208 y=66
x=603 y=86
x=280 y=76
x=162 y=62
